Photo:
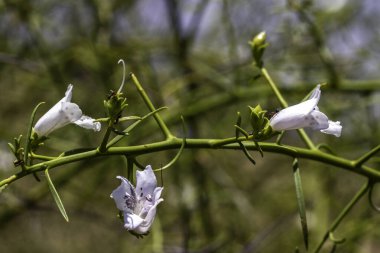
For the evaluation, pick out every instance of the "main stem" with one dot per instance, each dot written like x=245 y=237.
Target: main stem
x=176 y=143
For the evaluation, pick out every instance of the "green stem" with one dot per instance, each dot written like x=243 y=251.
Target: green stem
x=284 y=104
x=367 y=156
x=151 y=107
x=103 y=145
x=274 y=88
x=228 y=143
x=343 y=214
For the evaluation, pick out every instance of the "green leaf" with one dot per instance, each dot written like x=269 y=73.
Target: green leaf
x=241 y=130
x=28 y=135
x=259 y=148
x=56 y=197
x=247 y=154
x=238 y=125
x=301 y=202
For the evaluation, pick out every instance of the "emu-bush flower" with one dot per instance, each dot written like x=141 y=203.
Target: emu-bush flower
x=138 y=204
x=63 y=113
x=305 y=114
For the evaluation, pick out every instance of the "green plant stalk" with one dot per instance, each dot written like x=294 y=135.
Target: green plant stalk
x=228 y=143
x=103 y=145
x=367 y=156
x=284 y=104
x=343 y=214
x=151 y=107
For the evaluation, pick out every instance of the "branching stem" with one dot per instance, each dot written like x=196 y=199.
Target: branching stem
x=228 y=143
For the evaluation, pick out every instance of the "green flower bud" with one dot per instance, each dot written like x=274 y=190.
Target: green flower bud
x=115 y=104
x=258 y=45
x=257 y=117
x=261 y=129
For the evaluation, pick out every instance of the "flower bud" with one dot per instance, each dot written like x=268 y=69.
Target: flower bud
x=261 y=128
x=258 y=45
x=115 y=104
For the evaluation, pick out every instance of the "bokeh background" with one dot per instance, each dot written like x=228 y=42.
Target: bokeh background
x=192 y=56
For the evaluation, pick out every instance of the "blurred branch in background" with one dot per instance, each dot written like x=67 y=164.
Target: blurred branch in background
x=193 y=57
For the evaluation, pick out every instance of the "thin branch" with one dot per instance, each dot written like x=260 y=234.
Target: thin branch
x=228 y=143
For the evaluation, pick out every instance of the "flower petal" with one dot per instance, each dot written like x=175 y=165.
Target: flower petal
x=132 y=221
x=145 y=182
x=59 y=115
x=334 y=128
x=316 y=93
x=295 y=117
x=124 y=195
x=157 y=194
x=317 y=120
x=68 y=94
x=145 y=204
x=88 y=123
x=148 y=220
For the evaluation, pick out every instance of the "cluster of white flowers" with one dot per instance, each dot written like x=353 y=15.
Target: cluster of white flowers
x=63 y=113
x=306 y=114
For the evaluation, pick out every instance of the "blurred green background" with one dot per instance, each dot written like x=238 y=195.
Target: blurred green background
x=193 y=57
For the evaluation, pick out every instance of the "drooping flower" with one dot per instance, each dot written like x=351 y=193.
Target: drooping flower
x=138 y=204
x=305 y=114
x=63 y=113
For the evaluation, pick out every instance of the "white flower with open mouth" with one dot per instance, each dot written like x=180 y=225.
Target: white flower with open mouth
x=138 y=204
x=305 y=114
x=63 y=113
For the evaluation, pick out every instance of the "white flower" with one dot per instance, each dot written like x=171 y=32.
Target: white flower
x=63 y=113
x=305 y=114
x=138 y=204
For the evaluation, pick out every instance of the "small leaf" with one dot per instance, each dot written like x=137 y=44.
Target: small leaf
x=335 y=240
x=301 y=202
x=241 y=130
x=29 y=133
x=12 y=147
x=56 y=197
x=238 y=125
x=247 y=154
x=259 y=148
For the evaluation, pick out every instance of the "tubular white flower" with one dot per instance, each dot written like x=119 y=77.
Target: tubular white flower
x=305 y=114
x=138 y=204
x=63 y=113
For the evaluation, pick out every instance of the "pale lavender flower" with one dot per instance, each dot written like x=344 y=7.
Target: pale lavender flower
x=138 y=204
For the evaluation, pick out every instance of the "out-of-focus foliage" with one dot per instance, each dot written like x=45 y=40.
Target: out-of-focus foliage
x=192 y=56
